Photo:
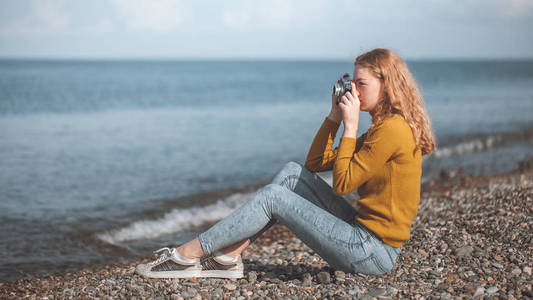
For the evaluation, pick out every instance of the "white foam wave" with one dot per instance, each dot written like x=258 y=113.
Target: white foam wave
x=467 y=147
x=176 y=220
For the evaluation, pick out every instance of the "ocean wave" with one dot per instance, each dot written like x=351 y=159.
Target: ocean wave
x=177 y=220
x=482 y=143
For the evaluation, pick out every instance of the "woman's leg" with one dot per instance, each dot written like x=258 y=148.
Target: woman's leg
x=312 y=187
x=335 y=240
x=298 y=179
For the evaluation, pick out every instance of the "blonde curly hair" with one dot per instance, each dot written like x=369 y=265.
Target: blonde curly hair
x=400 y=95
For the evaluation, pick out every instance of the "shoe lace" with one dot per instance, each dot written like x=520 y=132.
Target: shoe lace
x=162 y=257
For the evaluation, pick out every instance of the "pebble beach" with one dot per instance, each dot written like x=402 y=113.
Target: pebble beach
x=471 y=239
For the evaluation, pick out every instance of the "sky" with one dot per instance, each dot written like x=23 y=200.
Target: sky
x=270 y=29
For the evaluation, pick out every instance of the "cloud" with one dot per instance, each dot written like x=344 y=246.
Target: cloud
x=45 y=17
x=238 y=18
x=161 y=15
x=518 y=8
x=275 y=14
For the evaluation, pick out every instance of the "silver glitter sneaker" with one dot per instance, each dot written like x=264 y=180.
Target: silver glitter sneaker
x=170 y=264
x=222 y=266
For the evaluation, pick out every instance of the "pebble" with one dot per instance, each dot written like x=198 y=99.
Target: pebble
x=492 y=290
x=252 y=277
x=527 y=270
x=324 y=277
x=189 y=293
x=339 y=274
x=480 y=291
x=377 y=292
x=469 y=240
x=463 y=251
x=497 y=265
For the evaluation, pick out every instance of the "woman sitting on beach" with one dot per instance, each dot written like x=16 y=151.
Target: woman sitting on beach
x=384 y=165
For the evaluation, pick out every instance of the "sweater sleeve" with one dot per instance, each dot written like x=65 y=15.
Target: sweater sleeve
x=320 y=156
x=355 y=165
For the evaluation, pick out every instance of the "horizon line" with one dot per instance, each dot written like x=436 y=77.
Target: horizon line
x=221 y=59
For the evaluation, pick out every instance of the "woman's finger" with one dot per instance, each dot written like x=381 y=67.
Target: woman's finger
x=349 y=96
x=344 y=99
x=354 y=91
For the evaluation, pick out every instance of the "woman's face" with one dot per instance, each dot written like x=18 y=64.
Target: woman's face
x=369 y=88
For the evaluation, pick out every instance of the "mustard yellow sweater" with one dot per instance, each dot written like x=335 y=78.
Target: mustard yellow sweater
x=383 y=165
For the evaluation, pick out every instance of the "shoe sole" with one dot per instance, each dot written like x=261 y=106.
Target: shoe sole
x=170 y=274
x=222 y=273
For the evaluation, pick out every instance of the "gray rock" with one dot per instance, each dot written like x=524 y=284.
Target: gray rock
x=252 y=277
x=497 y=265
x=366 y=297
x=176 y=297
x=324 y=277
x=480 y=291
x=463 y=251
x=189 y=293
x=340 y=274
x=492 y=290
x=355 y=292
x=377 y=292
x=218 y=292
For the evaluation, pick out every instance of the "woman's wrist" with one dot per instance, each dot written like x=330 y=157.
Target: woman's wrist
x=335 y=118
x=350 y=132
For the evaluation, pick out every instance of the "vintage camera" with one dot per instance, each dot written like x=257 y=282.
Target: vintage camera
x=339 y=89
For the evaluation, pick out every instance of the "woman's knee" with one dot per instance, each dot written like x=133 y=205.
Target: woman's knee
x=272 y=190
x=290 y=170
x=274 y=196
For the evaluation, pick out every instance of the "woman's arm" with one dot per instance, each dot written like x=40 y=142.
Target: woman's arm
x=320 y=156
x=355 y=164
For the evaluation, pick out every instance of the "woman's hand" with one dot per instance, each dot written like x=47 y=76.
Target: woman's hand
x=349 y=105
x=335 y=114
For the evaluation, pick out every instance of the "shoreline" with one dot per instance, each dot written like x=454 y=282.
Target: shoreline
x=471 y=238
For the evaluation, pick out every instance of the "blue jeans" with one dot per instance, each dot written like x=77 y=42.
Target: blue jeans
x=325 y=222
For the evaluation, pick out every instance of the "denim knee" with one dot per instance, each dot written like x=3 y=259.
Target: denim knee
x=272 y=196
x=291 y=169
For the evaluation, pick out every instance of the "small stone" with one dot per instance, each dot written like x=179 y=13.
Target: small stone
x=230 y=286
x=445 y=296
x=189 y=293
x=516 y=272
x=354 y=292
x=478 y=253
x=340 y=274
x=252 y=277
x=324 y=277
x=270 y=275
x=497 y=265
x=492 y=290
x=218 y=292
x=527 y=270
x=377 y=292
x=176 y=297
x=306 y=279
x=479 y=292
x=463 y=251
